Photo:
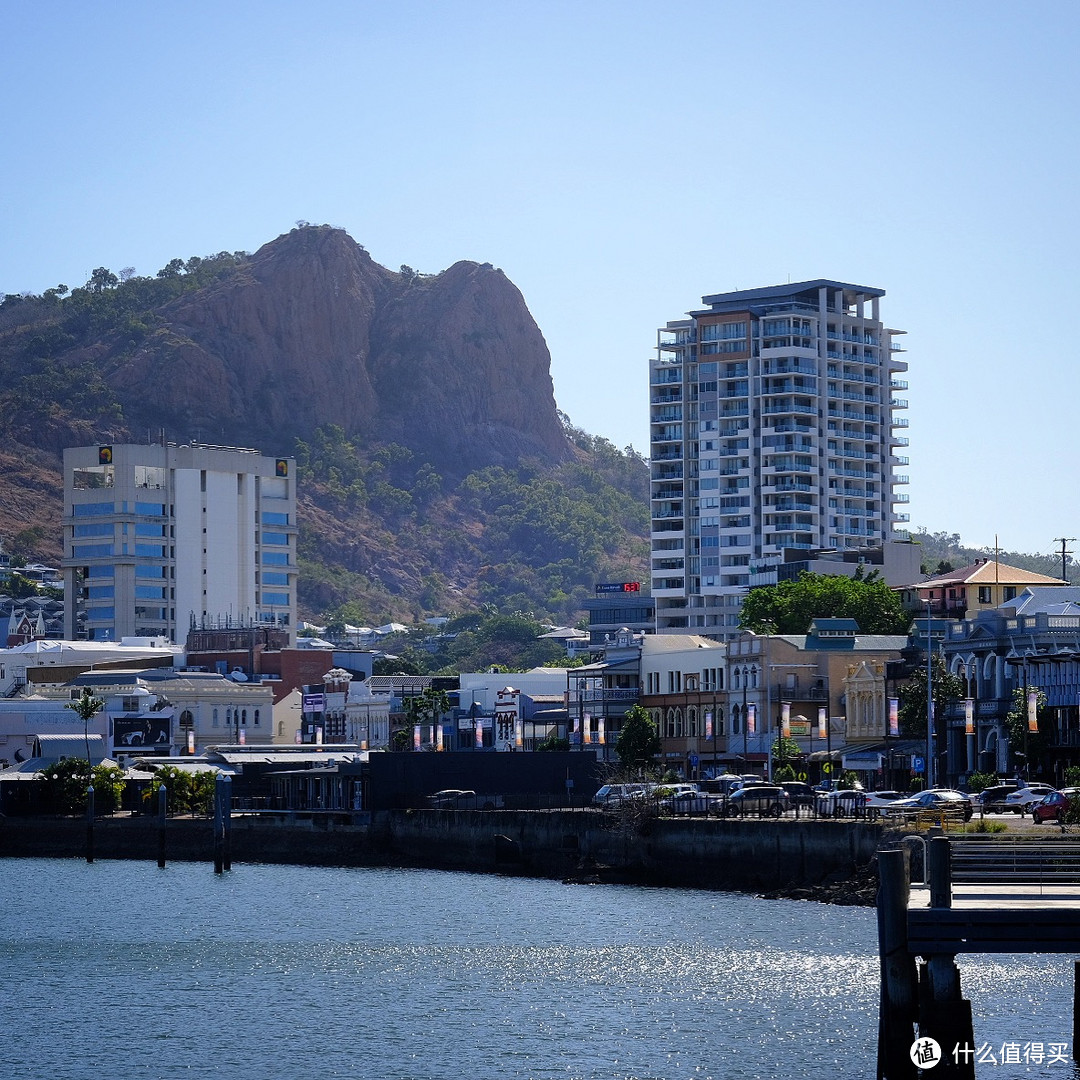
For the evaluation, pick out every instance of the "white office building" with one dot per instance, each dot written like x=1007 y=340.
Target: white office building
x=160 y=538
x=773 y=426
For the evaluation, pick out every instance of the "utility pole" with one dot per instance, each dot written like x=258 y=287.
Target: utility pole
x=1063 y=540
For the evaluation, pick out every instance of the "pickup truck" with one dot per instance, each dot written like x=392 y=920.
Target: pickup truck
x=456 y=799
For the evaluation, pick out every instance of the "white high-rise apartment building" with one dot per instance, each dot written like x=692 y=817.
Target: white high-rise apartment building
x=772 y=426
x=158 y=538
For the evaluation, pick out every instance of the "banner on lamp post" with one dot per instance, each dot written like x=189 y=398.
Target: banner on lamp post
x=416 y=737
x=1032 y=712
x=969 y=716
x=708 y=725
x=785 y=720
x=894 y=717
x=601 y=734
x=822 y=722
x=751 y=719
x=479 y=734
x=586 y=729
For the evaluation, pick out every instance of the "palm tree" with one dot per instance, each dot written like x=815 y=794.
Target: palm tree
x=86 y=706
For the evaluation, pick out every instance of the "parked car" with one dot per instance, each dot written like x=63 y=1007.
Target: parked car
x=938 y=800
x=664 y=793
x=1023 y=799
x=844 y=802
x=612 y=795
x=799 y=794
x=878 y=800
x=1054 y=806
x=456 y=799
x=764 y=800
x=991 y=800
x=695 y=802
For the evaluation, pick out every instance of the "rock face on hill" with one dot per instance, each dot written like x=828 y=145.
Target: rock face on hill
x=312 y=331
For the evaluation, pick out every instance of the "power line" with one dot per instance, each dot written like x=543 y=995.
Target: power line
x=1063 y=540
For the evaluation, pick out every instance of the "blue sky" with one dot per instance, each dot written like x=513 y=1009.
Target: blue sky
x=618 y=161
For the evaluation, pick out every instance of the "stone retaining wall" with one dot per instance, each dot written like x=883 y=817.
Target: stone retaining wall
x=579 y=845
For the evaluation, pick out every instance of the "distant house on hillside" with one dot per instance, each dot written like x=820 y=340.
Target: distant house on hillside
x=982 y=586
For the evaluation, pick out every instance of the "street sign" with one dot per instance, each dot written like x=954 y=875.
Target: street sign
x=918 y=763
x=694 y=761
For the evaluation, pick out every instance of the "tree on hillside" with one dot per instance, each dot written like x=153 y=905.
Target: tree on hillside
x=638 y=745
x=790 y=606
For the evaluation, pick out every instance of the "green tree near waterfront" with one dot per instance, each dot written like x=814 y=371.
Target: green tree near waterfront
x=186 y=792
x=789 y=607
x=65 y=786
x=638 y=744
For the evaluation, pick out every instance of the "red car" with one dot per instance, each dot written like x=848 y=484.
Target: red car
x=1054 y=806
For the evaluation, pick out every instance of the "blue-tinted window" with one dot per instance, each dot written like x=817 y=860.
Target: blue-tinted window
x=91 y=509
x=275 y=598
x=100 y=592
x=91 y=551
x=150 y=592
x=151 y=572
x=270 y=577
x=96 y=614
x=99 y=571
x=275 y=538
x=271 y=517
x=275 y=558
x=150 y=509
x=102 y=529
x=153 y=551
x=145 y=528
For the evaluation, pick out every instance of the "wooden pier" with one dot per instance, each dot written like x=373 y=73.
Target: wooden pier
x=978 y=896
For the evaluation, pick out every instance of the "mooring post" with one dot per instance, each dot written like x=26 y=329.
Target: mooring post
x=162 y=798
x=226 y=823
x=90 y=823
x=939 y=872
x=1076 y=1010
x=219 y=826
x=899 y=986
x=945 y=1016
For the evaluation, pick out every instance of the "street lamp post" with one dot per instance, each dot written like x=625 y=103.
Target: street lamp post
x=929 y=699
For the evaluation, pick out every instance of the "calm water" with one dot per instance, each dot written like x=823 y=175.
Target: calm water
x=122 y=970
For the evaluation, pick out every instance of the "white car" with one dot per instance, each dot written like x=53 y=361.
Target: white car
x=878 y=800
x=1023 y=799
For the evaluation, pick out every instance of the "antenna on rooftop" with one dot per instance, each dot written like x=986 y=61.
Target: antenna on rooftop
x=1063 y=540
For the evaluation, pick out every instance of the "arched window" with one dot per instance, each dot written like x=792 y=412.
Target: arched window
x=243 y=717
x=671 y=723
x=735 y=729
x=736 y=686
x=215 y=718
x=281 y=727
x=256 y=717
x=692 y=721
x=753 y=678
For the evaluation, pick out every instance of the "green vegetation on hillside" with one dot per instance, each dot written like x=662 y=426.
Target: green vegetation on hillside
x=535 y=538
x=113 y=311
x=943 y=551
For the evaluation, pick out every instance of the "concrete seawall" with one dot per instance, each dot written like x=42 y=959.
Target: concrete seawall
x=737 y=855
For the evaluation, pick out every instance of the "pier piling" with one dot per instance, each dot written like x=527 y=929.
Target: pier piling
x=161 y=812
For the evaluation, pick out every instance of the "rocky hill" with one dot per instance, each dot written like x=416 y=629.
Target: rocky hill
x=417 y=404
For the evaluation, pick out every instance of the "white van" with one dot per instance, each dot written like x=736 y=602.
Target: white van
x=614 y=794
